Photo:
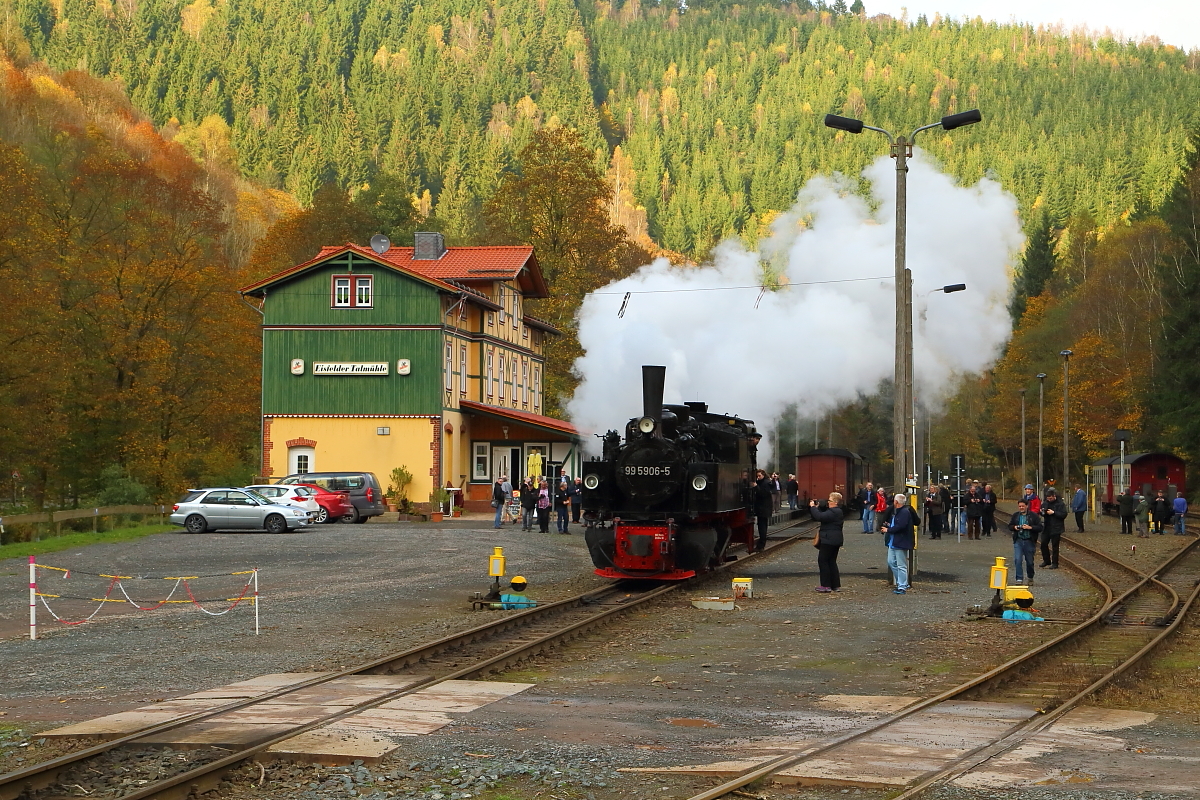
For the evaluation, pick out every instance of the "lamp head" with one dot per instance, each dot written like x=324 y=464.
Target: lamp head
x=1041 y=376
x=1066 y=353
x=954 y=287
x=959 y=120
x=843 y=123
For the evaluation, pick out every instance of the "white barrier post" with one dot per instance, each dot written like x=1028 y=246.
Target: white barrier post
x=256 y=601
x=32 y=599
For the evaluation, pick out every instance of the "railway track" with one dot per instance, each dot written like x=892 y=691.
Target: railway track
x=1139 y=611
x=485 y=649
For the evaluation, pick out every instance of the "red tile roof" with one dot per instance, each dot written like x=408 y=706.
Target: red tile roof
x=520 y=416
x=470 y=264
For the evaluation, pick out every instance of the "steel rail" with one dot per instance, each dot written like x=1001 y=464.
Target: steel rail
x=39 y=776
x=1114 y=560
x=975 y=758
x=781 y=762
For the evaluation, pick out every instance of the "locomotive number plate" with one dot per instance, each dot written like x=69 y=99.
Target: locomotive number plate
x=641 y=470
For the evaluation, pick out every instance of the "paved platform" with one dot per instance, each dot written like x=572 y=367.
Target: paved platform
x=368 y=735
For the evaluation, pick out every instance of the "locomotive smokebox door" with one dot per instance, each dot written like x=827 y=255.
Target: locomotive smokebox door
x=651 y=472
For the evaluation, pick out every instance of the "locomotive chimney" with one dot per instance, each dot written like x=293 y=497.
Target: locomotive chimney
x=653 y=381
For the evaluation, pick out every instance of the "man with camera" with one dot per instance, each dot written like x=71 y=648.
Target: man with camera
x=900 y=534
x=1025 y=526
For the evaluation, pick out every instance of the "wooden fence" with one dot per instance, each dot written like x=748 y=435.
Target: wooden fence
x=44 y=519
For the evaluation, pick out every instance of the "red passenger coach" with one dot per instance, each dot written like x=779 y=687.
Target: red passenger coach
x=1144 y=472
x=831 y=469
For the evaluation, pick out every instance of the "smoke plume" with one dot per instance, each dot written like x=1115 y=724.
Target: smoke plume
x=815 y=344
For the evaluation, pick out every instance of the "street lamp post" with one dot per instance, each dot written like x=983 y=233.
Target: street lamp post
x=1022 y=438
x=1041 y=376
x=901 y=149
x=1066 y=354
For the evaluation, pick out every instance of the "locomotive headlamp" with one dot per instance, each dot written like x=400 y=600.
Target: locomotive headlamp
x=700 y=483
x=591 y=481
x=646 y=425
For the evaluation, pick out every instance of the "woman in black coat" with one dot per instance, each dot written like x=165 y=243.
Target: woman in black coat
x=829 y=540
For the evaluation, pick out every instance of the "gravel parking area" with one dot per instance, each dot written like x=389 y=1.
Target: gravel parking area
x=332 y=595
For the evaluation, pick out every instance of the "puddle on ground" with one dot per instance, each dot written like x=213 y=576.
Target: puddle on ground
x=685 y=722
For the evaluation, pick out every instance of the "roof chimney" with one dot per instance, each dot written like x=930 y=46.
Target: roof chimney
x=429 y=247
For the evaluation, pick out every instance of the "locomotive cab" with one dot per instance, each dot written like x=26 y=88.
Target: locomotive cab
x=667 y=501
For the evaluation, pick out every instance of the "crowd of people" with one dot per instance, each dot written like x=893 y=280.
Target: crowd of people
x=534 y=501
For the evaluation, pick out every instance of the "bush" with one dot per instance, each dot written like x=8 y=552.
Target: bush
x=398 y=488
x=117 y=488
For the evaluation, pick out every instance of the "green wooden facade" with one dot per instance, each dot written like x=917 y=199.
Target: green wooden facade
x=404 y=322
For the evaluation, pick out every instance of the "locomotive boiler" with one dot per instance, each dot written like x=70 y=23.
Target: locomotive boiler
x=674 y=496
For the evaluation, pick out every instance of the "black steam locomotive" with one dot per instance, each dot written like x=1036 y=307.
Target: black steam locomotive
x=676 y=495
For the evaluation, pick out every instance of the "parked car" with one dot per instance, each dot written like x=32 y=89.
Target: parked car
x=332 y=506
x=361 y=487
x=202 y=510
x=298 y=496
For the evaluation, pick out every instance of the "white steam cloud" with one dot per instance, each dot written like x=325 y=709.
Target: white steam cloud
x=815 y=345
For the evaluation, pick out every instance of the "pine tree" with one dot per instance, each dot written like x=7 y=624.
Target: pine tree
x=1037 y=265
x=1177 y=403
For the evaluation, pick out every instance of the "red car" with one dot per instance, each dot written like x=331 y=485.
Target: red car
x=334 y=505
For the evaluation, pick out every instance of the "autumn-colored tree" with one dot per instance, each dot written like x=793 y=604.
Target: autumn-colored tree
x=334 y=219
x=558 y=201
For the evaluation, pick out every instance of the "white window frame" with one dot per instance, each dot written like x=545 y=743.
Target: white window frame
x=295 y=454
x=525 y=383
x=449 y=367
x=503 y=307
x=462 y=370
x=364 y=291
x=481 y=450
x=516 y=298
x=341 y=291
x=490 y=391
x=537 y=387
x=503 y=367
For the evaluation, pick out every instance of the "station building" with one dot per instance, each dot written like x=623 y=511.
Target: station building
x=421 y=357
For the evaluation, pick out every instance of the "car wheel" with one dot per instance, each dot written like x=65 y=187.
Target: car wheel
x=276 y=524
x=322 y=515
x=352 y=516
x=361 y=520
x=195 y=524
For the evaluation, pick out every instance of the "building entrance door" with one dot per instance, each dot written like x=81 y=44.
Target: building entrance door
x=506 y=460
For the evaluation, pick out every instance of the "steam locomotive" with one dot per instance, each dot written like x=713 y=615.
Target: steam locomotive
x=676 y=495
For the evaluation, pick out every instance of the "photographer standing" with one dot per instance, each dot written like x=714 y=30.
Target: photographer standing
x=900 y=536
x=1054 y=522
x=762 y=506
x=1025 y=526
x=829 y=540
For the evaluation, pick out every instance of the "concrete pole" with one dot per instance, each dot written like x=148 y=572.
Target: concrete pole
x=1022 y=441
x=1041 y=416
x=1066 y=419
x=901 y=405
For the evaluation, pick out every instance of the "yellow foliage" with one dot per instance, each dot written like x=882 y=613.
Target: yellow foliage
x=195 y=16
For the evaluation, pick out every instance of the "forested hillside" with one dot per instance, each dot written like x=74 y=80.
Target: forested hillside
x=290 y=123
x=716 y=111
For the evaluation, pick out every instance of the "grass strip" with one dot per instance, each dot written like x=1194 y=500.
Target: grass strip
x=71 y=540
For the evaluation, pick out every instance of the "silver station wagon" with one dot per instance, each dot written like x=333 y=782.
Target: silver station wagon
x=202 y=510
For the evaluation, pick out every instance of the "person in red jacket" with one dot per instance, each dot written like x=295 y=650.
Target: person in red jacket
x=1033 y=503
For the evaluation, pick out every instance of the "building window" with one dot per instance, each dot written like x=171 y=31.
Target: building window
x=482 y=468
x=462 y=370
x=449 y=368
x=489 y=374
x=525 y=383
x=353 y=291
x=537 y=387
x=525 y=331
x=501 y=299
x=300 y=460
x=491 y=318
x=513 y=362
x=502 y=371
x=341 y=292
x=516 y=312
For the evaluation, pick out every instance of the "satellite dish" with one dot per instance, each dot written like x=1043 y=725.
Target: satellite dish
x=380 y=243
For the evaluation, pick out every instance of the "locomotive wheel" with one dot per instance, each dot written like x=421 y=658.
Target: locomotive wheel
x=695 y=548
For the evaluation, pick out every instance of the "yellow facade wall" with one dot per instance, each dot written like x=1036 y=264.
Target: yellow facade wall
x=354 y=445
